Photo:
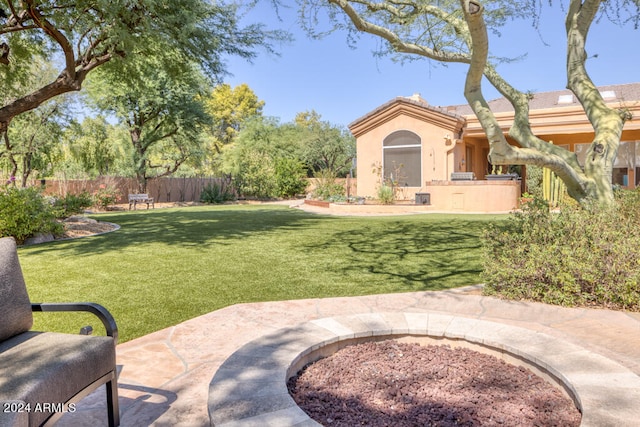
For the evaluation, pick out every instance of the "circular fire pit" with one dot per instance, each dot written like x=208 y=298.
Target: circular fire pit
x=250 y=386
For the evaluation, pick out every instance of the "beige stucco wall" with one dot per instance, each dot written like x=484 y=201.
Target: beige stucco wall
x=439 y=153
x=474 y=196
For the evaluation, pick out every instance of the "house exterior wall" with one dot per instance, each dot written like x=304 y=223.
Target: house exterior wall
x=436 y=129
x=434 y=148
x=474 y=196
x=453 y=141
x=570 y=128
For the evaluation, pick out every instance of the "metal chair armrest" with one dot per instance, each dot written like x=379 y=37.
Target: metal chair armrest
x=99 y=311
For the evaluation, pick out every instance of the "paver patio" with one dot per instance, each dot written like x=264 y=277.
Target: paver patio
x=165 y=376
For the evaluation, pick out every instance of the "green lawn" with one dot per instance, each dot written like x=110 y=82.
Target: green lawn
x=165 y=266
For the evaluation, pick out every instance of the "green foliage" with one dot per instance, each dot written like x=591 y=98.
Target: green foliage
x=105 y=196
x=89 y=34
x=578 y=257
x=256 y=176
x=290 y=177
x=253 y=158
x=72 y=204
x=386 y=194
x=153 y=61
x=230 y=108
x=217 y=192
x=31 y=144
x=326 y=186
x=157 y=96
x=25 y=212
x=324 y=146
x=534 y=180
x=92 y=145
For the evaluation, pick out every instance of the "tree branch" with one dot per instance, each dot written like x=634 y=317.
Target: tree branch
x=394 y=39
x=56 y=35
x=501 y=152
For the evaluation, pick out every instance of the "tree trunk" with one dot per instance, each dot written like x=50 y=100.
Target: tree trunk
x=591 y=182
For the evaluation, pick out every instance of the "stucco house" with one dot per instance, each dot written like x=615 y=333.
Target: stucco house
x=422 y=147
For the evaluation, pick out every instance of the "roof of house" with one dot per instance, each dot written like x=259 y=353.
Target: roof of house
x=629 y=92
x=560 y=98
x=416 y=100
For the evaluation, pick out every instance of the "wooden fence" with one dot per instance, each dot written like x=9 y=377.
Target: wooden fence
x=161 y=189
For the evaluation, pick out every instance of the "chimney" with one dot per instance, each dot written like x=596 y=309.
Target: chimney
x=416 y=97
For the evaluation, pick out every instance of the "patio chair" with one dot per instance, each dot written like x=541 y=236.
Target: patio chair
x=44 y=374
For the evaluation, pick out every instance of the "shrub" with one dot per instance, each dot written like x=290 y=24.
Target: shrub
x=326 y=186
x=217 y=192
x=72 y=204
x=386 y=194
x=105 y=196
x=534 y=180
x=578 y=257
x=256 y=176
x=290 y=177
x=24 y=212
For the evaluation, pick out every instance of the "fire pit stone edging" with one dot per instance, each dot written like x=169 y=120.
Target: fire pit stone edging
x=250 y=388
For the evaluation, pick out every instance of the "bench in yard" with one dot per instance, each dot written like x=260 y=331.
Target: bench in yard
x=134 y=199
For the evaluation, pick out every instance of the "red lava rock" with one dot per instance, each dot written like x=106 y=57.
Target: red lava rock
x=388 y=383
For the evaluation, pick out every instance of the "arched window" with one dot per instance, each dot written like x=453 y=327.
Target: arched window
x=402 y=158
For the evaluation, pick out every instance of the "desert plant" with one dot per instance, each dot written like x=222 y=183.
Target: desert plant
x=534 y=180
x=217 y=192
x=553 y=189
x=24 y=212
x=577 y=257
x=386 y=194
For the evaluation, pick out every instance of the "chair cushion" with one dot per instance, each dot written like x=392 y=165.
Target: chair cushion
x=12 y=414
x=14 y=300
x=49 y=367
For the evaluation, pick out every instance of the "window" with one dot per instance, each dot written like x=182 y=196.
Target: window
x=565 y=99
x=402 y=158
x=608 y=95
x=581 y=152
x=469 y=158
x=624 y=162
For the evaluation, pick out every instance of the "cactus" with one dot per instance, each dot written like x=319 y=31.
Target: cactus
x=552 y=187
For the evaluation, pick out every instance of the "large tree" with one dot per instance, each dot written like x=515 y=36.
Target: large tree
x=325 y=147
x=29 y=145
x=83 y=35
x=91 y=146
x=457 y=31
x=230 y=108
x=156 y=97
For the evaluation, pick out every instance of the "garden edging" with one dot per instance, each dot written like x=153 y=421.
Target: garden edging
x=250 y=386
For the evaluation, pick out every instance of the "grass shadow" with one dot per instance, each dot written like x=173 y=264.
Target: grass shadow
x=193 y=227
x=426 y=254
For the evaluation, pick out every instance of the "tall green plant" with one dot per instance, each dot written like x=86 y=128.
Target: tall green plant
x=217 y=192
x=553 y=189
x=290 y=177
x=25 y=212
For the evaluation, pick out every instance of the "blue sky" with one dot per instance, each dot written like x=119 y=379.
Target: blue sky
x=342 y=83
